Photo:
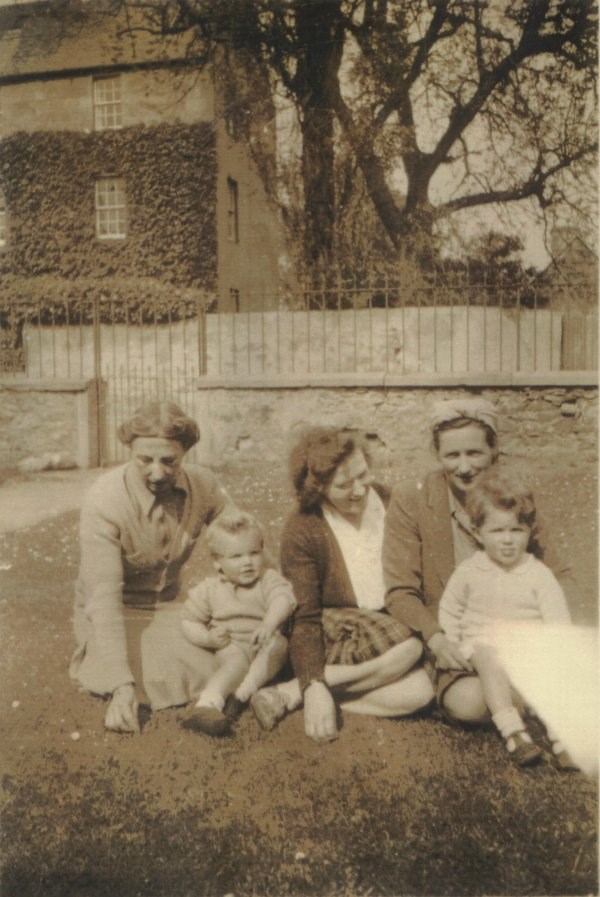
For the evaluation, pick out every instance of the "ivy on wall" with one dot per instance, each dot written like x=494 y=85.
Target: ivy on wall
x=48 y=179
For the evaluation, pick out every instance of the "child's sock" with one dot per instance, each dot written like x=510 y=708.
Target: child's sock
x=291 y=694
x=210 y=699
x=557 y=745
x=517 y=739
x=562 y=758
x=243 y=694
x=508 y=721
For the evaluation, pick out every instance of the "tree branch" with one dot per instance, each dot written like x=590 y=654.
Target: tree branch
x=533 y=186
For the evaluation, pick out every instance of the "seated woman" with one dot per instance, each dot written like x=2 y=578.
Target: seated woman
x=428 y=533
x=139 y=525
x=343 y=643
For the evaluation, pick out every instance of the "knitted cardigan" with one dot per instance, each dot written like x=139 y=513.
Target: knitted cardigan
x=311 y=559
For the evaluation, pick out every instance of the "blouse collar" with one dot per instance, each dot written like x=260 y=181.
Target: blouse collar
x=146 y=499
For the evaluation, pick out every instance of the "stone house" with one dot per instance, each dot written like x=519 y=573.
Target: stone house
x=570 y=281
x=121 y=168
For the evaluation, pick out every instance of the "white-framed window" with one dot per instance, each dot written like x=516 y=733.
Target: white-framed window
x=3 y=221
x=111 y=217
x=232 y=211
x=108 y=107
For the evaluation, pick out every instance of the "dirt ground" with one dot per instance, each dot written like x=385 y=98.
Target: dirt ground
x=391 y=808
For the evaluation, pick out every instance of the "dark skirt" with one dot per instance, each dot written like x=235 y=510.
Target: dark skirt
x=353 y=635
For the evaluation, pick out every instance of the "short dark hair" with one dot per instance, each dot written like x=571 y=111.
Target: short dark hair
x=164 y=420
x=316 y=457
x=507 y=490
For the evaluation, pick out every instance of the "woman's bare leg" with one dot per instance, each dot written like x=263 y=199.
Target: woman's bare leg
x=363 y=677
x=379 y=671
x=411 y=693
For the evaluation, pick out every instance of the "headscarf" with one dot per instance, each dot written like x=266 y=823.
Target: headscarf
x=471 y=408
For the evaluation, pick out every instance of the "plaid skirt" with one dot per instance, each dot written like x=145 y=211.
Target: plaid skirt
x=353 y=635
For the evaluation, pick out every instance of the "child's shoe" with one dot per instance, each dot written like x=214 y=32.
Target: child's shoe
x=268 y=706
x=207 y=720
x=522 y=750
x=562 y=759
x=233 y=708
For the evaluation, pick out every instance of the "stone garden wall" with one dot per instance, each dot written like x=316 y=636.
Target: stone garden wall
x=545 y=424
x=542 y=424
x=48 y=418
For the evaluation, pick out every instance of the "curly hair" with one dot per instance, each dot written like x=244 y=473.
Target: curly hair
x=231 y=524
x=506 y=490
x=316 y=457
x=163 y=420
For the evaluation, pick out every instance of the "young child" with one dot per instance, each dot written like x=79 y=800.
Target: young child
x=504 y=581
x=238 y=614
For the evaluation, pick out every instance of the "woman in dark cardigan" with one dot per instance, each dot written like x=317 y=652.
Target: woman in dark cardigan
x=343 y=642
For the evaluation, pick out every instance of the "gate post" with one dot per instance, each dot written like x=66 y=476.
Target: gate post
x=202 y=360
x=99 y=387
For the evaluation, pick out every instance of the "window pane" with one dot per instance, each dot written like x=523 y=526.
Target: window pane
x=107 y=103
x=111 y=218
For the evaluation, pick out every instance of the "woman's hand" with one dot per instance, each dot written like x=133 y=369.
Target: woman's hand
x=447 y=653
x=319 y=712
x=122 y=713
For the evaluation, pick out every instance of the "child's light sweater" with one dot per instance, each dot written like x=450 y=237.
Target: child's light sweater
x=480 y=593
x=238 y=609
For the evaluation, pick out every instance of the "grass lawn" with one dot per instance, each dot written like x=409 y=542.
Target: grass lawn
x=393 y=807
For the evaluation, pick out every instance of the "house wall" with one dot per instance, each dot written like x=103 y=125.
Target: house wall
x=170 y=173
x=148 y=98
x=160 y=99
x=250 y=265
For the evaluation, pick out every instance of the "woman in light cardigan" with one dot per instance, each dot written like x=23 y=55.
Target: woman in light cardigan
x=344 y=646
x=139 y=525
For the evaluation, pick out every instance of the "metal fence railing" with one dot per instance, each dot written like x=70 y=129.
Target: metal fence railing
x=141 y=351
x=384 y=327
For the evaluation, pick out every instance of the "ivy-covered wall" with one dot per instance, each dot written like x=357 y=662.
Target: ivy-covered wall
x=48 y=179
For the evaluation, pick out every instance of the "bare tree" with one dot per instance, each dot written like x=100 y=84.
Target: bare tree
x=494 y=98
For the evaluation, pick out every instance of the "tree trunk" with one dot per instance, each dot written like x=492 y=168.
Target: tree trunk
x=319 y=60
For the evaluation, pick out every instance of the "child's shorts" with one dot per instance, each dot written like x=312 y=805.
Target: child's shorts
x=353 y=635
x=442 y=681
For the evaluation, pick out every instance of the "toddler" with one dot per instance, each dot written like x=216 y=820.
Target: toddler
x=238 y=614
x=504 y=581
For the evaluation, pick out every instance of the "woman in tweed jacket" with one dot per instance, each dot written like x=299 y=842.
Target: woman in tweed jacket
x=428 y=533
x=343 y=643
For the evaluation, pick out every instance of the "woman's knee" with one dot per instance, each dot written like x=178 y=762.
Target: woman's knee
x=418 y=690
x=403 y=655
x=414 y=647
x=463 y=701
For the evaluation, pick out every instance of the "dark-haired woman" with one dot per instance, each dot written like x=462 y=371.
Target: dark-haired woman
x=344 y=646
x=139 y=525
